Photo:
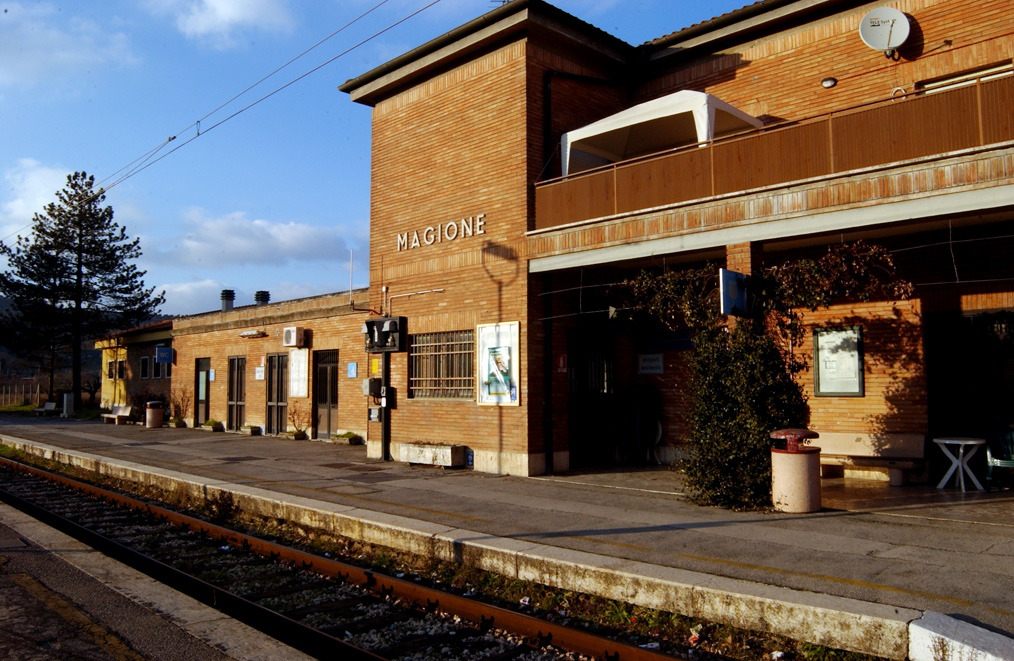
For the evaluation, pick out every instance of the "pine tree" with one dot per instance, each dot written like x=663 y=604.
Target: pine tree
x=74 y=278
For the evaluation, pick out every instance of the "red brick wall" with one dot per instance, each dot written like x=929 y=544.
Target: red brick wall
x=778 y=77
x=895 y=379
x=136 y=386
x=467 y=142
x=452 y=148
x=331 y=323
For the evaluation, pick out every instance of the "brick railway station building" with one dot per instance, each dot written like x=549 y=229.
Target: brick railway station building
x=525 y=162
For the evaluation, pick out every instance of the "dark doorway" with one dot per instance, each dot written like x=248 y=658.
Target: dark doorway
x=277 y=393
x=591 y=397
x=970 y=373
x=325 y=400
x=237 y=392
x=202 y=391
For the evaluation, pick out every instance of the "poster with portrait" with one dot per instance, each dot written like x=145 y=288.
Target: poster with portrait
x=496 y=363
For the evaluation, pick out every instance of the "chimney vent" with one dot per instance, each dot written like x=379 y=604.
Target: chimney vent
x=262 y=297
x=228 y=296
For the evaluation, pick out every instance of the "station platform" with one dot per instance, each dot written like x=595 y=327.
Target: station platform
x=861 y=574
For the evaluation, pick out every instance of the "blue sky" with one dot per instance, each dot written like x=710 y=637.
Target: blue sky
x=274 y=198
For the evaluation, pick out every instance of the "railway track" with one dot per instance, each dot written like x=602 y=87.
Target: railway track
x=319 y=605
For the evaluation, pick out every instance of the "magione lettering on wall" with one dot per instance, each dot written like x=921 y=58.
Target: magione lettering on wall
x=450 y=231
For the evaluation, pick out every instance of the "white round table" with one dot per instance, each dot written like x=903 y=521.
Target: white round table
x=961 y=461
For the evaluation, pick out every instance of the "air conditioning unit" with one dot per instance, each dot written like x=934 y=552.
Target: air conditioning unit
x=292 y=336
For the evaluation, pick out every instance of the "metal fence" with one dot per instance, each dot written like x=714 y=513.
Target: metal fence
x=19 y=394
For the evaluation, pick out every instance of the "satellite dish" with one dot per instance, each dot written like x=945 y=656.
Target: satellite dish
x=884 y=29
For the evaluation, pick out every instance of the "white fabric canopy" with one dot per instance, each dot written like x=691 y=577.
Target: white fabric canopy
x=682 y=118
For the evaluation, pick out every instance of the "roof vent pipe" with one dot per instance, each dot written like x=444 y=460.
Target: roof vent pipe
x=262 y=297
x=228 y=296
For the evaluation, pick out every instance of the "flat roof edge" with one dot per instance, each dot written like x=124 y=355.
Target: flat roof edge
x=738 y=22
x=512 y=17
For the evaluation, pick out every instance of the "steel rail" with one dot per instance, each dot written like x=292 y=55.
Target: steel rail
x=537 y=632
x=295 y=634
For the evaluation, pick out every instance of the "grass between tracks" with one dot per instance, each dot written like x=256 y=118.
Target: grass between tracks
x=675 y=634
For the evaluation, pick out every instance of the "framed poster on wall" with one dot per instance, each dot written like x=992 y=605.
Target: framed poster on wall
x=497 y=361
x=838 y=362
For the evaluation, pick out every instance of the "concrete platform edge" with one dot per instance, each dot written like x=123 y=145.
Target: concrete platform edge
x=840 y=622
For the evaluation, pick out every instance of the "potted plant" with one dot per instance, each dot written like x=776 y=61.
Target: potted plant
x=300 y=420
x=180 y=399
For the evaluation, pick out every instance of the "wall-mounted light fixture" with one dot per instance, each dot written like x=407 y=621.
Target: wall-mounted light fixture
x=829 y=82
x=252 y=333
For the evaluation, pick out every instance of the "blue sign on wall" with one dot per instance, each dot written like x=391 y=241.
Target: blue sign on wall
x=164 y=355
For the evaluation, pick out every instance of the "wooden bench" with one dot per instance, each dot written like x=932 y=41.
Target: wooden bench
x=49 y=408
x=119 y=414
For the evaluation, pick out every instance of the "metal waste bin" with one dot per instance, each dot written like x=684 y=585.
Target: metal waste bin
x=153 y=419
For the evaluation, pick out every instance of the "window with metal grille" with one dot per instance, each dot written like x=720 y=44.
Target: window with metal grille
x=440 y=365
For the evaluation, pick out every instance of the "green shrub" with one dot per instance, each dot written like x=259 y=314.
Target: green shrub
x=742 y=390
x=742 y=384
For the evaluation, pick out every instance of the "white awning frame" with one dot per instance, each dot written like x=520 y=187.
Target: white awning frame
x=703 y=107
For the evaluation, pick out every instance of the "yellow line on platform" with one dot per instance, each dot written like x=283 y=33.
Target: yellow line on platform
x=101 y=636
x=602 y=541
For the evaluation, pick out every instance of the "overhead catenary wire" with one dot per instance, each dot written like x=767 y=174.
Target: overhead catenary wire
x=273 y=92
x=197 y=124
x=148 y=159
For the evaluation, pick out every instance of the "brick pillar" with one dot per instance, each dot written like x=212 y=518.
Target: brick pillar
x=743 y=257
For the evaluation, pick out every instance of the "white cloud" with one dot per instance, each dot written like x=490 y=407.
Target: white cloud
x=234 y=239
x=27 y=188
x=190 y=297
x=39 y=43
x=216 y=21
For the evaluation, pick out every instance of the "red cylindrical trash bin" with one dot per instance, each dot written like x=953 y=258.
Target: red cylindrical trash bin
x=795 y=472
x=153 y=417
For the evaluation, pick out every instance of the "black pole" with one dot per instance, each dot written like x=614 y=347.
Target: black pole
x=385 y=410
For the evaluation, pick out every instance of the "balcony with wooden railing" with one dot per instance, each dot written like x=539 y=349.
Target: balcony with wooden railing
x=916 y=126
